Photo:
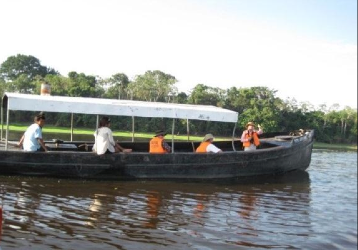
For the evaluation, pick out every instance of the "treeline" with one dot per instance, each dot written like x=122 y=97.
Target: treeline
x=25 y=74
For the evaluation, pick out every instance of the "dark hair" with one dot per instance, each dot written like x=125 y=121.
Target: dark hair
x=39 y=117
x=104 y=122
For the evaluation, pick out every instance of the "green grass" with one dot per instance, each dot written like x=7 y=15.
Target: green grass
x=321 y=145
x=86 y=131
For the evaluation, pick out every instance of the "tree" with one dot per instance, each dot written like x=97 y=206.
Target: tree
x=182 y=98
x=82 y=85
x=2 y=87
x=348 y=115
x=258 y=104
x=153 y=86
x=22 y=84
x=28 y=66
x=205 y=95
x=117 y=86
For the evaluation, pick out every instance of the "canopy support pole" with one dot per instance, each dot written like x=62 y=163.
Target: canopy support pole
x=2 y=121
x=71 y=126
x=7 y=126
x=97 y=124
x=233 y=138
x=132 y=128
x=187 y=129
x=173 y=129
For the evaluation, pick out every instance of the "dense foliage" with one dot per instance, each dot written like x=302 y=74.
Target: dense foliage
x=24 y=74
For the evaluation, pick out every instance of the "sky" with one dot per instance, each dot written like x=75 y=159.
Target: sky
x=304 y=49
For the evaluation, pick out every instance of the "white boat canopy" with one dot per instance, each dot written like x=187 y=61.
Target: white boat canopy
x=97 y=106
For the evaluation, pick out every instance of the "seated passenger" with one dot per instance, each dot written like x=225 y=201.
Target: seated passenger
x=250 y=138
x=157 y=145
x=104 y=142
x=32 y=138
x=207 y=147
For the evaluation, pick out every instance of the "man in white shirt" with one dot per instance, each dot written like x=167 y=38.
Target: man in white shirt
x=207 y=147
x=104 y=142
x=32 y=138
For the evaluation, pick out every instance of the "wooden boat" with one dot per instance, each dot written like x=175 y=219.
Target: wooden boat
x=278 y=152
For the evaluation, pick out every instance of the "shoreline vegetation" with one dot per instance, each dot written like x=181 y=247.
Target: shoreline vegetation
x=25 y=74
x=138 y=135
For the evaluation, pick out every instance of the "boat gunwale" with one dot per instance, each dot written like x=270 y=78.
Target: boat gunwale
x=280 y=144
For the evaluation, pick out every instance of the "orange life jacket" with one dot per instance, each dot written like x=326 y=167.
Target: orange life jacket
x=256 y=140
x=203 y=146
x=155 y=146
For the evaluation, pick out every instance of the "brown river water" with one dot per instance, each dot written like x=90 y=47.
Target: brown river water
x=316 y=209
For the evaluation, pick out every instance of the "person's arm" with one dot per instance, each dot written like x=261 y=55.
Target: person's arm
x=260 y=131
x=214 y=149
x=21 y=142
x=42 y=143
x=166 y=147
x=38 y=136
x=243 y=137
x=94 y=147
x=110 y=138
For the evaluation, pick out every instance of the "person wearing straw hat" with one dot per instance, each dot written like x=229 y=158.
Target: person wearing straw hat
x=250 y=137
x=104 y=142
x=206 y=145
x=157 y=145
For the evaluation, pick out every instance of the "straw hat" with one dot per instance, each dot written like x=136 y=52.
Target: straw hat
x=250 y=124
x=208 y=137
x=160 y=132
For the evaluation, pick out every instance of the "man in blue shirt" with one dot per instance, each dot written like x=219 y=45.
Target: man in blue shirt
x=32 y=138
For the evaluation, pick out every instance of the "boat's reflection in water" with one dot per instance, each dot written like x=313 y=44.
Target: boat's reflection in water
x=71 y=214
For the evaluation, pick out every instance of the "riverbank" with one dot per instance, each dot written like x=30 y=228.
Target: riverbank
x=321 y=145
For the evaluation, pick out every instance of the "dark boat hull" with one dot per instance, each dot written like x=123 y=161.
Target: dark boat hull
x=284 y=157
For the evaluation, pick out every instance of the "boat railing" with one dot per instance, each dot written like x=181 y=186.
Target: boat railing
x=306 y=136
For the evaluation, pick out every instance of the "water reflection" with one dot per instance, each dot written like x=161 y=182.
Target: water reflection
x=201 y=200
x=95 y=210
x=154 y=215
x=153 y=204
x=248 y=201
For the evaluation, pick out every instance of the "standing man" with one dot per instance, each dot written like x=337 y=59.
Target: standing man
x=157 y=145
x=32 y=138
x=250 y=137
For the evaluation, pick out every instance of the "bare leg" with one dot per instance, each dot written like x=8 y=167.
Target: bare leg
x=118 y=149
